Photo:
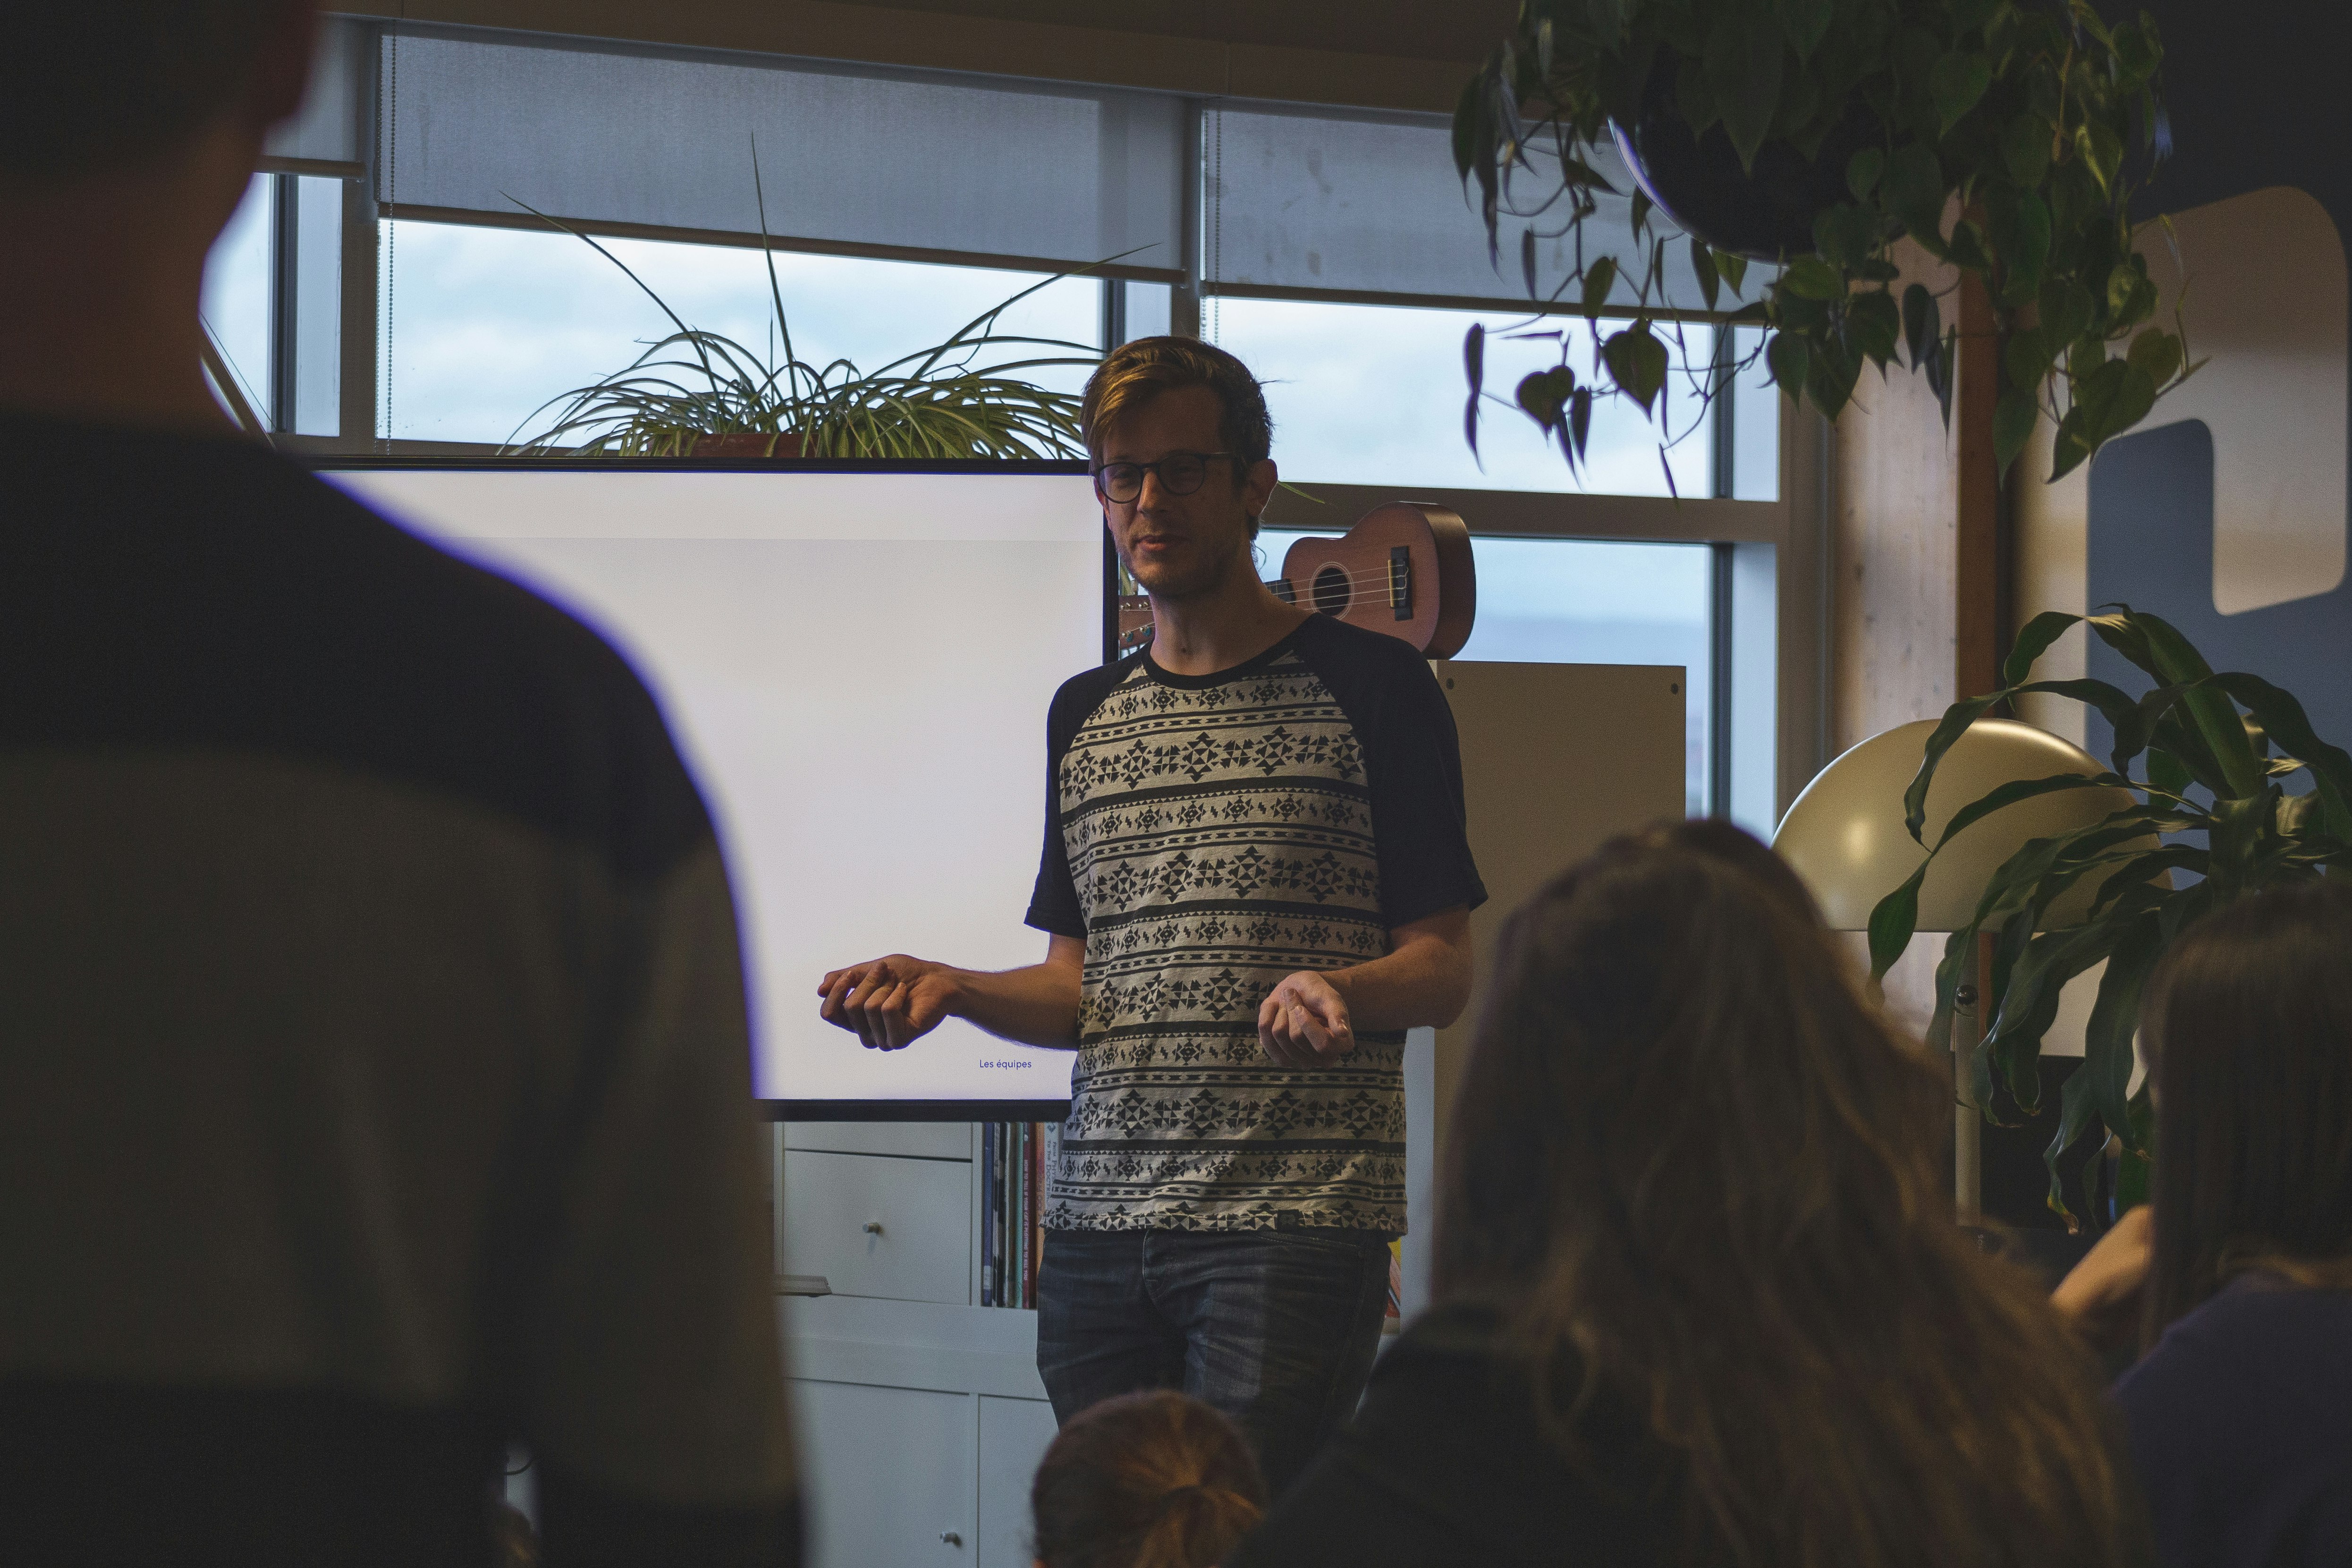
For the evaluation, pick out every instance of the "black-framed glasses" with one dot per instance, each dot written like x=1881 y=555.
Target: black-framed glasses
x=1181 y=473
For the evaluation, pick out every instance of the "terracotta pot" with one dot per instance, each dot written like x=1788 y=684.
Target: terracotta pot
x=742 y=444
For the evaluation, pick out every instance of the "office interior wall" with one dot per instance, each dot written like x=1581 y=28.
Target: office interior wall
x=1383 y=54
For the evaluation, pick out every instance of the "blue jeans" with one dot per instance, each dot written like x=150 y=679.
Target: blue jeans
x=1275 y=1328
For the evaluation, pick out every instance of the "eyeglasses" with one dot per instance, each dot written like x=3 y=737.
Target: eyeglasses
x=1181 y=473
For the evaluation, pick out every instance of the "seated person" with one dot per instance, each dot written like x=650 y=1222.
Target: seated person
x=1699 y=1295
x=2240 y=1273
x=1145 y=1480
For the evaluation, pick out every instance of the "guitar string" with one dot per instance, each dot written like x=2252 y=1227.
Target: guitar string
x=1354 y=579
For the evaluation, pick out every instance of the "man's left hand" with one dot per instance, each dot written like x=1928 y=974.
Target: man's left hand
x=1303 y=1023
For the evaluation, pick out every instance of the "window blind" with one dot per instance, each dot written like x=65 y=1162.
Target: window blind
x=1362 y=205
x=958 y=168
x=330 y=135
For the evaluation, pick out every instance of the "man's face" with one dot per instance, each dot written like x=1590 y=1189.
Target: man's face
x=1182 y=546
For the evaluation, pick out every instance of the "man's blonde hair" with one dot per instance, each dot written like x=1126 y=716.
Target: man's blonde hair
x=1134 y=373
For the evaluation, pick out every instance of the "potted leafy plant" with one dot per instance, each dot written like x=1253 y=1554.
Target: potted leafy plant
x=696 y=393
x=2216 y=752
x=2005 y=137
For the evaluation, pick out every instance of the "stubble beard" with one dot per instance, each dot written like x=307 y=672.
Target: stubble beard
x=1179 y=584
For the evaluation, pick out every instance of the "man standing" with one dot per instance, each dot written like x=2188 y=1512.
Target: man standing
x=374 y=1086
x=1256 y=879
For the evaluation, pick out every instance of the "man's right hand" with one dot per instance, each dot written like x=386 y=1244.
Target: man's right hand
x=888 y=1003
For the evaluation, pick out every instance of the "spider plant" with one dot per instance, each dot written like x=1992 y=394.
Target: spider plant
x=934 y=403
x=2218 y=751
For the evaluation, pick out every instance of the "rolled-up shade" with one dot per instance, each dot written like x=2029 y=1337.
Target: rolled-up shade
x=1364 y=205
x=958 y=167
x=330 y=135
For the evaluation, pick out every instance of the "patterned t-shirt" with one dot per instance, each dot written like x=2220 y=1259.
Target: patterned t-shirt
x=1208 y=836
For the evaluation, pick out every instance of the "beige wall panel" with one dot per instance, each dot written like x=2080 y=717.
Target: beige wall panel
x=2265 y=308
x=1556 y=759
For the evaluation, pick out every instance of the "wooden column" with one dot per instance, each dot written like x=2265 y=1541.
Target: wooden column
x=1918 y=562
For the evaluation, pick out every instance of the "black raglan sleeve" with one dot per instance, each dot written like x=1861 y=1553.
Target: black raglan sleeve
x=1053 y=905
x=1413 y=765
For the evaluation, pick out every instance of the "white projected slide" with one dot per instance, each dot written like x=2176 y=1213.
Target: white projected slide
x=856 y=667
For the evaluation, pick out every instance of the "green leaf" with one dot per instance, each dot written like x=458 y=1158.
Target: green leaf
x=1638 y=363
x=1788 y=357
x=2012 y=426
x=1703 y=267
x=2076 y=1105
x=2102 y=150
x=1811 y=278
x=2068 y=447
x=1744 y=60
x=2115 y=1018
x=1473 y=370
x=2209 y=705
x=1876 y=325
x=1958 y=82
x=1734 y=269
x=2155 y=354
x=1861 y=172
x=1830 y=380
x=1598 y=280
x=2020 y=222
x=2025 y=149
x=1580 y=418
x=1923 y=325
x=2284 y=717
x=2065 y=310
x=2123 y=281
x=1894 y=921
x=1845 y=235
x=2167 y=772
x=1912 y=190
x=1802 y=23
x=2033 y=642
x=2025 y=361
x=1542 y=392
x=1946 y=733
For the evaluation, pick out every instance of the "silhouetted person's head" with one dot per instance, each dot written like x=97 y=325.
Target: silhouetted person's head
x=1698 y=1173
x=1145 y=1480
x=128 y=131
x=2247 y=1025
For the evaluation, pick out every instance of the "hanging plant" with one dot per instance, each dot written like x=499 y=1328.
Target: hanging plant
x=2004 y=138
x=2214 y=753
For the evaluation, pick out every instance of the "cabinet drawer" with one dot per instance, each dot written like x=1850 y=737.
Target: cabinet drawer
x=888 y=1478
x=876 y=1225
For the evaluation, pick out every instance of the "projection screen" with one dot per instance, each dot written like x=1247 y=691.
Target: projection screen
x=855 y=662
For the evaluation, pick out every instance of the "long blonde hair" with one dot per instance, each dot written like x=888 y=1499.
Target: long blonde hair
x=1697 y=1173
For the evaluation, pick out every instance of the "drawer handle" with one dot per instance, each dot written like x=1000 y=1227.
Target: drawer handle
x=951 y=1538
x=873 y=1228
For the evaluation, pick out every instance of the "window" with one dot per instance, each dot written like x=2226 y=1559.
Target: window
x=484 y=325
x=237 y=297
x=1374 y=394
x=1576 y=601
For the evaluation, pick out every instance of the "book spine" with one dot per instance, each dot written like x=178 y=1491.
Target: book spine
x=1036 y=1219
x=987 y=1209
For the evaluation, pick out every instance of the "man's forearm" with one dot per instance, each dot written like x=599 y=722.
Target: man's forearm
x=1036 y=1006
x=1424 y=980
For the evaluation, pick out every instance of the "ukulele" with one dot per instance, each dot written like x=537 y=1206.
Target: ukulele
x=1404 y=569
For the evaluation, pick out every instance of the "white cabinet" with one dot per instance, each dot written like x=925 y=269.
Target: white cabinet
x=908 y=1140
x=1013 y=1435
x=877 y=1225
x=888 y=1475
